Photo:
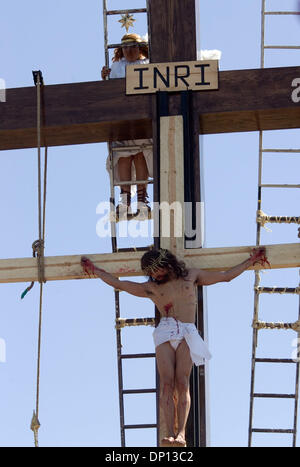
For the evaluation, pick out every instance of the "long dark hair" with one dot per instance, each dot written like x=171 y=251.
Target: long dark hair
x=154 y=259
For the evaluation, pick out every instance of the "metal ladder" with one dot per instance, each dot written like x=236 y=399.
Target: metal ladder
x=262 y=218
x=121 y=323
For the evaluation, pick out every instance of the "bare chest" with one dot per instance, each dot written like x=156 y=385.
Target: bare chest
x=176 y=291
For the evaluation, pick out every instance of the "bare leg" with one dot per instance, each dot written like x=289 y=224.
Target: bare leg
x=124 y=166
x=143 y=209
x=141 y=168
x=182 y=378
x=165 y=358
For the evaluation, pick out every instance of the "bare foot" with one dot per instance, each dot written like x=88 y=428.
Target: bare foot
x=167 y=441
x=180 y=441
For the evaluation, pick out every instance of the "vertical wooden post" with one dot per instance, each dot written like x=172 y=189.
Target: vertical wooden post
x=172 y=27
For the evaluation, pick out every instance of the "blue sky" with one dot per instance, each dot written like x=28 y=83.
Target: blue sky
x=79 y=391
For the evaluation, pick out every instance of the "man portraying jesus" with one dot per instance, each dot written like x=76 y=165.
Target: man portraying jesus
x=178 y=345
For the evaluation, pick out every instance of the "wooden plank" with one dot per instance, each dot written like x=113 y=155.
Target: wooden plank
x=125 y=265
x=68 y=267
x=252 y=100
x=80 y=113
x=220 y=259
x=76 y=113
x=171 y=184
x=172 y=77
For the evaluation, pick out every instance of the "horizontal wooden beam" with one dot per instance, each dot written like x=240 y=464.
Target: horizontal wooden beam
x=285 y=255
x=251 y=100
x=124 y=264
x=68 y=267
x=80 y=113
x=76 y=113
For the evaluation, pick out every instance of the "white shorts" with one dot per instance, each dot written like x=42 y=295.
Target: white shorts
x=174 y=331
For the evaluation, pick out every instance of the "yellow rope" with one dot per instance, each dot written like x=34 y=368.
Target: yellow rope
x=273 y=290
x=122 y=322
x=263 y=218
x=286 y=326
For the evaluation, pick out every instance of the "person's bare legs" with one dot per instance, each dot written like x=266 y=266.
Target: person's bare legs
x=165 y=358
x=141 y=168
x=124 y=168
x=142 y=173
x=183 y=370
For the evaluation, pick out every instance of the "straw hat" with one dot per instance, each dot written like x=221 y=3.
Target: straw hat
x=133 y=39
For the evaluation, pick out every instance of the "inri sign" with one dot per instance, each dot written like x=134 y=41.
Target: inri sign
x=175 y=76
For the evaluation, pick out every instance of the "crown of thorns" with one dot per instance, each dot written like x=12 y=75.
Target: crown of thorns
x=155 y=263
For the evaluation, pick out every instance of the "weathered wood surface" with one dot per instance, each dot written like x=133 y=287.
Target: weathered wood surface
x=79 y=113
x=124 y=264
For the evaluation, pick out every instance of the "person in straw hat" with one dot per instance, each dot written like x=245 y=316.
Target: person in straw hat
x=128 y=165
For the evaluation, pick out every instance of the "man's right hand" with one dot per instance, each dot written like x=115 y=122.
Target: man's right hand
x=105 y=72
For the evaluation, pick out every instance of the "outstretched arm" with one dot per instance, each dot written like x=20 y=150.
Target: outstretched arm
x=211 y=277
x=134 y=288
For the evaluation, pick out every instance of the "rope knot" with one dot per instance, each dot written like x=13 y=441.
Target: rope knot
x=34 y=426
x=38 y=248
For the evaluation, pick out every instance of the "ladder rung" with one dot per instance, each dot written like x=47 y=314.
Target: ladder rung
x=138 y=355
x=280 y=290
x=134 y=182
x=121 y=12
x=116 y=46
x=138 y=391
x=275 y=396
x=131 y=148
x=274 y=360
x=259 y=325
x=282 y=47
x=282 y=150
x=145 y=425
x=282 y=13
x=265 y=185
x=122 y=322
x=270 y=430
x=283 y=220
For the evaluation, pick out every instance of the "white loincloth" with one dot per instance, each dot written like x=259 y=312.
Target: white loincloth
x=170 y=329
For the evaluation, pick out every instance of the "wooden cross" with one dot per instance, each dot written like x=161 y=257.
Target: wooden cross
x=78 y=113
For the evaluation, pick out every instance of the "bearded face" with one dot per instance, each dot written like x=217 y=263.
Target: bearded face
x=161 y=275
